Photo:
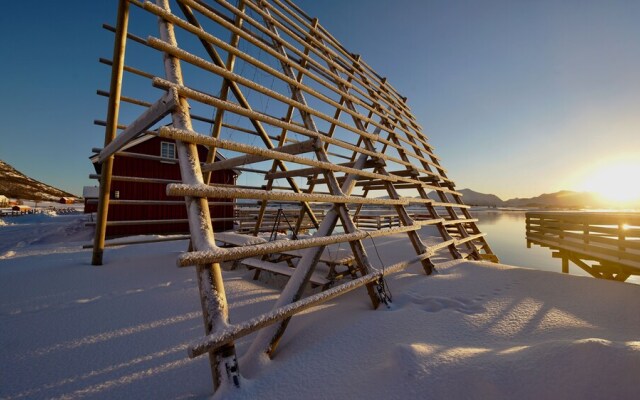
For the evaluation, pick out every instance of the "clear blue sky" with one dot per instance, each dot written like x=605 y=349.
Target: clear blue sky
x=517 y=97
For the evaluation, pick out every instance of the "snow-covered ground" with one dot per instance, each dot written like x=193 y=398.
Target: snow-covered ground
x=474 y=330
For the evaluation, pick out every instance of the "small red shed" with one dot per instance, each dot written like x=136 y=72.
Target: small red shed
x=138 y=201
x=66 y=200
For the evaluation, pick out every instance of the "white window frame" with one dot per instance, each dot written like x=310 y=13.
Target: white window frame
x=168 y=150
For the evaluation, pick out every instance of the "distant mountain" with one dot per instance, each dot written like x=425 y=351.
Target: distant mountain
x=561 y=199
x=15 y=184
x=474 y=198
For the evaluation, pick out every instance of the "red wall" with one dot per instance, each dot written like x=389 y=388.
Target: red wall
x=129 y=166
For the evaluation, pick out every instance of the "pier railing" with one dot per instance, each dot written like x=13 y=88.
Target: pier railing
x=605 y=244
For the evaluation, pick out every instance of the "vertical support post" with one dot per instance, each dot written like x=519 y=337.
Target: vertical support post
x=111 y=129
x=621 y=237
x=585 y=232
x=565 y=264
x=215 y=311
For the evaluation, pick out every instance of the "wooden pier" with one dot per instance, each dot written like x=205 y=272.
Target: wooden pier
x=604 y=244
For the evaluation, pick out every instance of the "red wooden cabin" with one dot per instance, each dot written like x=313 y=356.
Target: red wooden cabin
x=143 y=203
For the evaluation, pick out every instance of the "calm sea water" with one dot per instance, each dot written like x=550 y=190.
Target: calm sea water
x=506 y=235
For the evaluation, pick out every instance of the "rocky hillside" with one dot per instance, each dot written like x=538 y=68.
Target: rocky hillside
x=15 y=184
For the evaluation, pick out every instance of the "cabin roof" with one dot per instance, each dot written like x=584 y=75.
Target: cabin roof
x=144 y=138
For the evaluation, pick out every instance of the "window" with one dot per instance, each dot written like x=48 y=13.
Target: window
x=167 y=150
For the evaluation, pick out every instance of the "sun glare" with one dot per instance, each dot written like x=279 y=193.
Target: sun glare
x=618 y=182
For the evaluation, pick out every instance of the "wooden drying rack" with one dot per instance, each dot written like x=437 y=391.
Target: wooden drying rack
x=339 y=125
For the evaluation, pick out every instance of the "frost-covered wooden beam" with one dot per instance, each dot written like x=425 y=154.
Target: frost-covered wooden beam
x=192 y=137
x=214 y=101
x=143 y=103
x=233 y=332
x=418 y=245
x=294 y=148
x=345 y=65
x=171 y=221
x=220 y=254
x=120 y=242
x=159 y=202
x=216 y=129
x=316 y=170
x=225 y=46
x=213 y=300
x=427 y=166
x=318 y=48
x=235 y=89
x=267 y=340
x=279 y=55
x=146 y=120
x=186 y=56
x=235 y=193
x=458 y=221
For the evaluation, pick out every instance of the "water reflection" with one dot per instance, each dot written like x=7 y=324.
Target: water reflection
x=507 y=238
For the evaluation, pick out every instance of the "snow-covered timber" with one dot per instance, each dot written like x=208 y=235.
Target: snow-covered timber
x=286 y=101
x=237 y=253
x=193 y=137
x=153 y=114
x=233 y=332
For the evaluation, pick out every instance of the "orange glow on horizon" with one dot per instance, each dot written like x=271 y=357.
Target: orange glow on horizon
x=617 y=181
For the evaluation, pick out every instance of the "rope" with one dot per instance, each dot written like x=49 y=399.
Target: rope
x=384 y=293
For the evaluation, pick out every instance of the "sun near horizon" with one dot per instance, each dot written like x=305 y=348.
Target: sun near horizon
x=614 y=180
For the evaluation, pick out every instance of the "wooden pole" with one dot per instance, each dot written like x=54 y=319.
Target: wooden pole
x=111 y=129
x=223 y=362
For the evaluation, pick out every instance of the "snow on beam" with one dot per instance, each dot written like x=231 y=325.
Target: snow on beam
x=218 y=339
x=315 y=170
x=153 y=114
x=193 y=137
x=236 y=193
x=236 y=253
x=205 y=98
x=295 y=148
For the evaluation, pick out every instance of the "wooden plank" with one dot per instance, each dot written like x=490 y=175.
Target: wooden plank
x=236 y=253
x=282 y=269
x=191 y=137
x=233 y=86
x=146 y=120
x=175 y=189
x=213 y=300
x=295 y=148
x=233 y=332
x=315 y=170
